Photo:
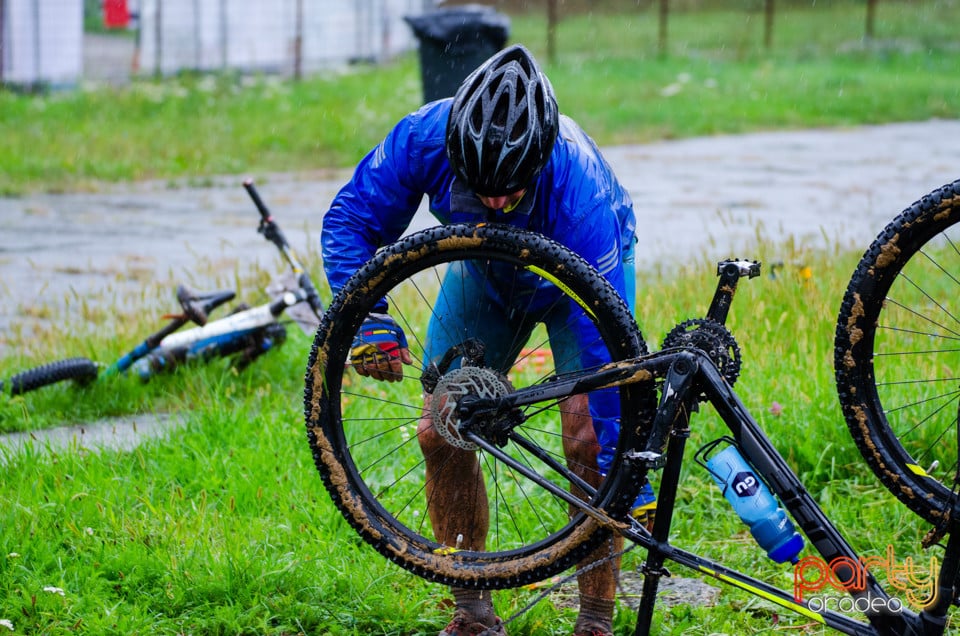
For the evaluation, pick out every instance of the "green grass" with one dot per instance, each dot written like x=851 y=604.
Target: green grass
x=608 y=74
x=223 y=527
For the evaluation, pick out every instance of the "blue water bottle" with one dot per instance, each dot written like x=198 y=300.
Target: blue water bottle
x=755 y=505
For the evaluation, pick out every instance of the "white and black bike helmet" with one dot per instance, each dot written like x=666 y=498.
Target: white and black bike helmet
x=503 y=124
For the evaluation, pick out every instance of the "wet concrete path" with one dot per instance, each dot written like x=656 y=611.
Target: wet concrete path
x=121 y=434
x=696 y=197
x=843 y=184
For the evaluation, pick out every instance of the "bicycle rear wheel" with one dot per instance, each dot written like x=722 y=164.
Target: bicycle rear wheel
x=897 y=353
x=363 y=433
x=80 y=370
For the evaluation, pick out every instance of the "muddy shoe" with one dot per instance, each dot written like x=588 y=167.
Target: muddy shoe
x=646 y=515
x=464 y=624
x=645 y=508
x=588 y=627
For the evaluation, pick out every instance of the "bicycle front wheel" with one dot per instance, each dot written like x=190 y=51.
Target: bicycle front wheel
x=364 y=433
x=80 y=370
x=897 y=353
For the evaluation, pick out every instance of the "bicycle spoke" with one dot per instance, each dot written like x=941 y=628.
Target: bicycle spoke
x=897 y=353
x=388 y=451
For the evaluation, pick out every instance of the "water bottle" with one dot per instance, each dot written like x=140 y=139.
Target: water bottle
x=755 y=505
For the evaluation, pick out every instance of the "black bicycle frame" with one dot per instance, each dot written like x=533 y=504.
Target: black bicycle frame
x=692 y=373
x=686 y=375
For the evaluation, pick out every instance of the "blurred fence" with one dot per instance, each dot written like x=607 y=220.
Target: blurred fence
x=287 y=36
x=40 y=42
x=555 y=11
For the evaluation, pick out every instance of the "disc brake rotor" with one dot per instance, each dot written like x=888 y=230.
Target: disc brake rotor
x=453 y=386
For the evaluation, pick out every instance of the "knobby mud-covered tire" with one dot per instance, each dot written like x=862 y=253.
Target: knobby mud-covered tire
x=363 y=433
x=80 y=370
x=897 y=353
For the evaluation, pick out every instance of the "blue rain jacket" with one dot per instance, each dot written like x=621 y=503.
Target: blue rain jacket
x=576 y=201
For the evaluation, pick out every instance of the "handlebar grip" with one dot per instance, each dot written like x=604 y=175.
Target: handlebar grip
x=257 y=201
x=270 y=229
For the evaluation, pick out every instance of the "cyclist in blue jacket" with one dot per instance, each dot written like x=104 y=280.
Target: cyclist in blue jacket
x=498 y=151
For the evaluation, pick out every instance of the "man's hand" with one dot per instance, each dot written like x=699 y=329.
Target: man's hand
x=379 y=348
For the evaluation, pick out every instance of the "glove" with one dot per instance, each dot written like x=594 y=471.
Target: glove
x=379 y=348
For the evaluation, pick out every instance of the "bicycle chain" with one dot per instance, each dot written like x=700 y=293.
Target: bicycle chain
x=556 y=584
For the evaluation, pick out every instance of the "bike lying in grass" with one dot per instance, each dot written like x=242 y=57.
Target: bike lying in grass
x=244 y=335
x=896 y=363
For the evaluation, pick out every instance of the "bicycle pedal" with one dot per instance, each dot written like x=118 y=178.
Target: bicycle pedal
x=646 y=570
x=647 y=459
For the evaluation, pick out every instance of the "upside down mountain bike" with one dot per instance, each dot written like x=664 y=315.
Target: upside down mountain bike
x=896 y=371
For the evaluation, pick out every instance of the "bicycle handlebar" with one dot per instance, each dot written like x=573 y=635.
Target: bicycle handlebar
x=271 y=231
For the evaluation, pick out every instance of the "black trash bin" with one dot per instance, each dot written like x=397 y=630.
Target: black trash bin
x=455 y=41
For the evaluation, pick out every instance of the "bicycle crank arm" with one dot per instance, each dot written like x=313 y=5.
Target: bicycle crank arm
x=730 y=273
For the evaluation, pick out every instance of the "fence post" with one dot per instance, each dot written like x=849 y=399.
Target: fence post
x=158 y=40
x=662 y=36
x=552 y=31
x=298 y=43
x=768 y=24
x=871 y=17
